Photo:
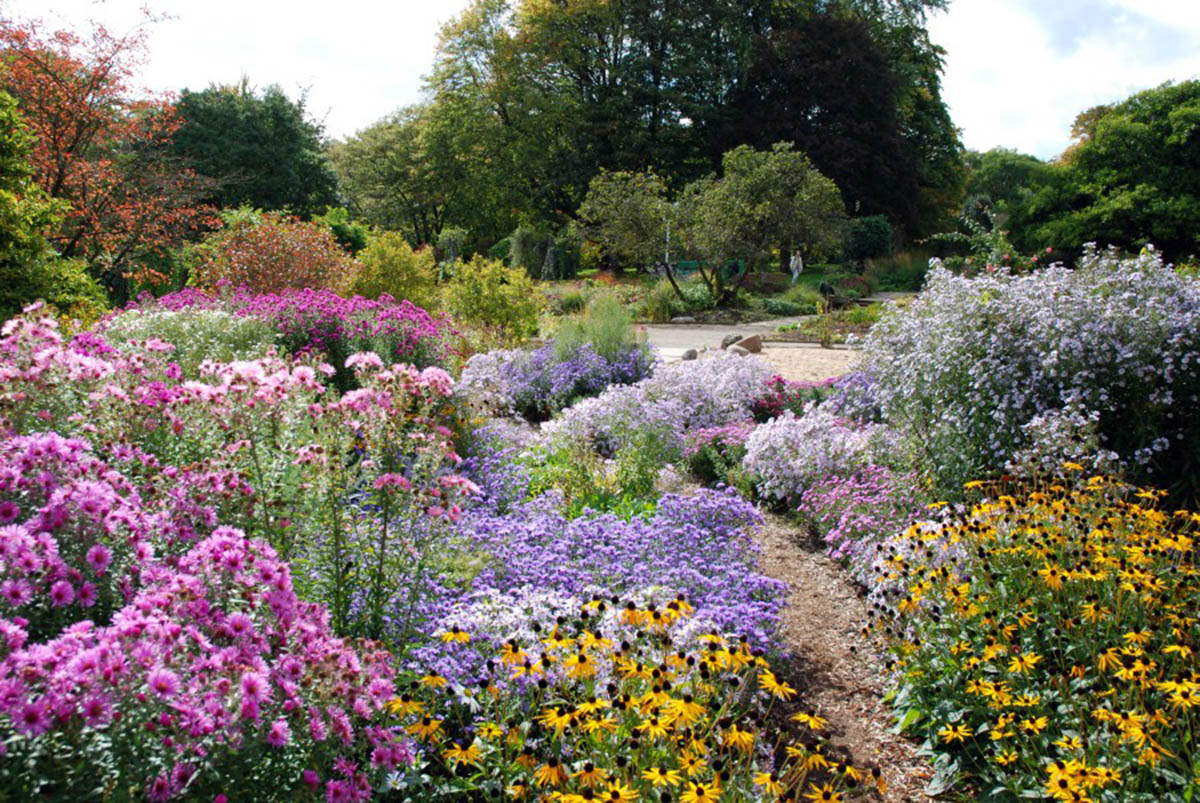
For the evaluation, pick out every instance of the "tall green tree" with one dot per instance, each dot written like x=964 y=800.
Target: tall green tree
x=825 y=83
x=557 y=91
x=1132 y=178
x=764 y=199
x=261 y=148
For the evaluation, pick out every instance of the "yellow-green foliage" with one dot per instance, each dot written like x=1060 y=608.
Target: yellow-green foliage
x=500 y=302
x=389 y=265
x=605 y=324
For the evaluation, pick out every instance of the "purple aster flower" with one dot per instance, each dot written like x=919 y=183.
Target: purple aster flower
x=87 y=595
x=33 y=719
x=163 y=682
x=96 y=710
x=99 y=558
x=8 y=511
x=279 y=734
x=62 y=593
x=16 y=592
x=255 y=687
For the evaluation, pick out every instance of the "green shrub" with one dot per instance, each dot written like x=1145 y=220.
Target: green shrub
x=350 y=235
x=528 y=249
x=697 y=296
x=572 y=301
x=501 y=303
x=783 y=307
x=389 y=265
x=605 y=324
x=805 y=296
x=62 y=283
x=853 y=286
x=197 y=334
x=868 y=238
x=903 y=271
x=660 y=304
x=451 y=243
x=501 y=250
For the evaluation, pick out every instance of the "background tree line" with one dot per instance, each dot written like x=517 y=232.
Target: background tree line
x=529 y=100
x=530 y=103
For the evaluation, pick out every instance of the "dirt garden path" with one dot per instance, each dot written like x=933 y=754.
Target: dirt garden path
x=833 y=665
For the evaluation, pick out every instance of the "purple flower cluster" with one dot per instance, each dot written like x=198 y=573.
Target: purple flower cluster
x=701 y=546
x=676 y=399
x=73 y=536
x=541 y=384
x=853 y=512
x=789 y=454
x=971 y=361
x=537 y=384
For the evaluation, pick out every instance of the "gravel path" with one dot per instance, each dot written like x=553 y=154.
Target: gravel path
x=809 y=362
x=833 y=665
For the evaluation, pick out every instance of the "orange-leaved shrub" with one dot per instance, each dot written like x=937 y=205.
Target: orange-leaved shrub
x=269 y=252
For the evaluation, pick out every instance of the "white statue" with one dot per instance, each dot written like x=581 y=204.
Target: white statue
x=796 y=266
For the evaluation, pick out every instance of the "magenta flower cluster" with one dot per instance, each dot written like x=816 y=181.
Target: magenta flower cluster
x=208 y=674
x=321 y=321
x=780 y=395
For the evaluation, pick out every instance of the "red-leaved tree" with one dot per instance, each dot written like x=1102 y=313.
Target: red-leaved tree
x=100 y=145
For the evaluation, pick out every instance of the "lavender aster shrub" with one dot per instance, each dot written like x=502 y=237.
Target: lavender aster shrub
x=701 y=546
x=971 y=362
x=789 y=454
x=537 y=384
x=676 y=399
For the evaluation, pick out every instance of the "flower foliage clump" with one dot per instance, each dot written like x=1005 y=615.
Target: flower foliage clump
x=854 y=511
x=701 y=546
x=971 y=361
x=537 y=384
x=270 y=252
x=213 y=678
x=676 y=399
x=317 y=321
x=789 y=454
x=1045 y=642
x=780 y=395
x=613 y=702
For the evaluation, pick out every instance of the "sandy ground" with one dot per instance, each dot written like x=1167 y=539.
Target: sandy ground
x=809 y=363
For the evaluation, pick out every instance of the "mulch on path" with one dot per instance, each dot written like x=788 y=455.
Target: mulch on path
x=832 y=664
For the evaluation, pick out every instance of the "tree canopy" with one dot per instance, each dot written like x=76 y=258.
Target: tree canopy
x=29 y=268
x=100 y=147
x=1131 y=177
x=259 y=148
x=763 y=199
x=528 y=100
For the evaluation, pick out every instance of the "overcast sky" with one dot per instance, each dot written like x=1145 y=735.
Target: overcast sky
x=1017 y=71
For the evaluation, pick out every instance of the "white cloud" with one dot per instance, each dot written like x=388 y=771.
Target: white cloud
x=359 y=60
x=1008 y=85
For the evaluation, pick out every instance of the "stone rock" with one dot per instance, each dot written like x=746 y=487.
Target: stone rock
x=690 y=354
x=683 y=319
x=751 y=343
x=729 y=340
x=738 y=350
